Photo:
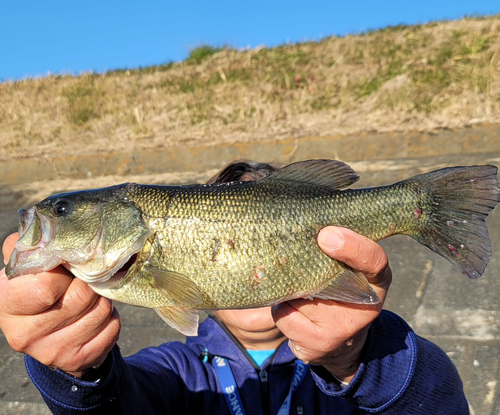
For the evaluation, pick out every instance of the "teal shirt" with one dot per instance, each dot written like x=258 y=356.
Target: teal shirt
x=260 y=356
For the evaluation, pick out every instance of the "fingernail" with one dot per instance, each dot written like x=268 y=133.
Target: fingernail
x=331 y=239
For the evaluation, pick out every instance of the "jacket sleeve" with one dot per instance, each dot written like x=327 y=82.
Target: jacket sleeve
x=401 y=373
x=156 y=380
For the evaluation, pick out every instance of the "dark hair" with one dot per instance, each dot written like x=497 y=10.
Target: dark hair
x=244 y=170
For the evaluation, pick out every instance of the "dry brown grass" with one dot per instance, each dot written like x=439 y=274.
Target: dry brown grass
x=403 y=78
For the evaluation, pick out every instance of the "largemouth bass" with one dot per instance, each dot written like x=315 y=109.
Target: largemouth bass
x=179 y=249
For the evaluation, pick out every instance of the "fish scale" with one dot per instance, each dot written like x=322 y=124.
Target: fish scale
x=179 y=249
x=256 y=217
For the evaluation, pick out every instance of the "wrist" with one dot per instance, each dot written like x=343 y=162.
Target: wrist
x=344 y=373
x=95 y=373
x=348 y=358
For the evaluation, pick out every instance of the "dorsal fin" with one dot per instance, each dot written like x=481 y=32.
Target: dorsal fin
x=330 y=173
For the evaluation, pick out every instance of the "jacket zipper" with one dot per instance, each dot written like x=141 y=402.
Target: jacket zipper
x=264 y=388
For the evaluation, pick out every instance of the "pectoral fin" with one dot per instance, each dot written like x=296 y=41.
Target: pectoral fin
x=183 y=319
x=179 y=288
x=350 y=287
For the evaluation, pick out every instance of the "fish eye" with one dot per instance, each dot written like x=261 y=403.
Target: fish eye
x=61 y=208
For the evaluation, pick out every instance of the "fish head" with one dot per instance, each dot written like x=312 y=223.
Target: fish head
x=92 y=233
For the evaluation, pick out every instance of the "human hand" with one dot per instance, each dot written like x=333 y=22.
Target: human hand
x=327 y=332
x=56 y=319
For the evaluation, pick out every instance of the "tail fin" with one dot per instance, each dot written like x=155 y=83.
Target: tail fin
x=455 y=228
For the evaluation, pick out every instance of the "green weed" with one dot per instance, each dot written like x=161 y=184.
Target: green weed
x=201 y=53
x=83 y=100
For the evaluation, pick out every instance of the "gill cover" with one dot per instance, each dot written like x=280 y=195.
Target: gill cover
x=92 y=233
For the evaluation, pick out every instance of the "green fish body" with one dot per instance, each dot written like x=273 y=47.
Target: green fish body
x=179 y=249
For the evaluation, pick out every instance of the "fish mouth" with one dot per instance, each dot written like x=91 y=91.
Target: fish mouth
x=110 y=277
x=40 y=248
x=30 y=256
x=122 y=272
x=35 y=230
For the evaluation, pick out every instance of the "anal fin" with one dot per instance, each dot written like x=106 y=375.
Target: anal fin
x=350 y=287
x=184 y=320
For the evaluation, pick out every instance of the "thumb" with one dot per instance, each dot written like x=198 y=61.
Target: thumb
x=357 y=252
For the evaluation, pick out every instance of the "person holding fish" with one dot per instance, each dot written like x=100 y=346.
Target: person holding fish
x=310 y=349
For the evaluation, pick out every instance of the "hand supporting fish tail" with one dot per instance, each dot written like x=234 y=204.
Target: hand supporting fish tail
x=329 y=333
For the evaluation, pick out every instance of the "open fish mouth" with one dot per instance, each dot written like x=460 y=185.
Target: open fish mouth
x=37 y=251
x=118 y=273
x=34 y=230
x=125 y=268
x=30 y=255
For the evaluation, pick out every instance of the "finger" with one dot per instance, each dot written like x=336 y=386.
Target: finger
x=8 y=246
x=94 y=352
x=23 y=331
x=77 y=333
x=309 y=339
x=77 y=303
x=92 y=322
x=356 y=251
x=73 y=348
x=33 y=294
x=323 y=312
x=291 y=321
x=320 y=315
x=337 y=335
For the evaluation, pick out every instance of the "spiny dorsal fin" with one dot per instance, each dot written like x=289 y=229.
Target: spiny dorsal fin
x=179 y=288
x=183 y=319
x=350 y=287
x=330 y=173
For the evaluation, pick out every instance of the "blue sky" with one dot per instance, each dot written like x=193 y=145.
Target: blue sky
x=37 y=37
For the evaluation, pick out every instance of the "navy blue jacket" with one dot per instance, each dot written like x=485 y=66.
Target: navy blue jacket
x=401 y=374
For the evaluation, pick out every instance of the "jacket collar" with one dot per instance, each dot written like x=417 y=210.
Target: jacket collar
x=214 y=336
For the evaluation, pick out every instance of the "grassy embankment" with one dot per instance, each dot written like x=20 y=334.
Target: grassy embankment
x=444 y=74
